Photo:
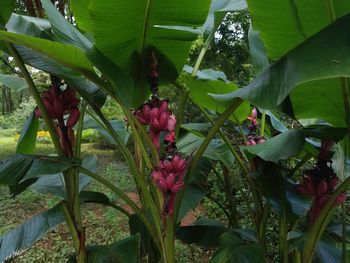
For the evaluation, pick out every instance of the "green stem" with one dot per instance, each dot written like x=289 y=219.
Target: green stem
x=169 y=241
x=140 y=180
x=227 y=142
x=344 y=215
x=263 y=120
x=181 y=110
x=202 y=54
x=127 y=200
x=283 y=242
x=71 y=225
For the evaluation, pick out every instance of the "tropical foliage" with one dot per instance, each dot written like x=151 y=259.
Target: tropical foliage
x=288 y=108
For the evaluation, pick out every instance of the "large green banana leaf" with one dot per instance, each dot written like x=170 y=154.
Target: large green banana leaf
x=309 y=73
x=128 y=32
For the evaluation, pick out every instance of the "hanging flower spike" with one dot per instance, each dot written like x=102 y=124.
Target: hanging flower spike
x=59 y=103
x=253 y=138
x=320 y=182
x=169 y=177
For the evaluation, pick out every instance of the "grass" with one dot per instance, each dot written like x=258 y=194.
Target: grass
x=104 y=225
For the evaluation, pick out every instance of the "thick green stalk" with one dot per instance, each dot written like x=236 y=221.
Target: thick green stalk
x=128 y=201
x=283 y=242
x=140 y=180
x=71 y=225
x=181 y=110
x=169 y=241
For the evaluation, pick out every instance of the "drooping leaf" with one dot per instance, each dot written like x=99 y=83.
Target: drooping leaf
x=297 y=68
x=233 y=249
x=25 y=235
x=22 y=167
x=13 y=82
x=271 y=181
x=54 y=183
x=280 y=147
x=123 y=251
x=205 y=232
x=27 y=140
x=67 y=55
x=28 y=25
x=327 y=250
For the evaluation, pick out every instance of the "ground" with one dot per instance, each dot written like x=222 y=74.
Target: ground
x=104 y=225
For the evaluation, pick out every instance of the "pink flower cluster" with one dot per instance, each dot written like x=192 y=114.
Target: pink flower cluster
x=169 y=177
x=157 y=115
x=320 y=182
x=58 y=104
x=320 y=191
x=253 y=138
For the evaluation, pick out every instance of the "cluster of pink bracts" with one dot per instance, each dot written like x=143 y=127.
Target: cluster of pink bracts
x=320 y=182
x=320 y=191
x=58 y=104
x=253 y=138
x=169 y=176
x=157 y=115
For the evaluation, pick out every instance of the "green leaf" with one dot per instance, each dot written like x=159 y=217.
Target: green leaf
x=271 y=181
x=233 y=249
x=5 y=11
x=205 y=232
x=327 y=250
x=118 y=126
x=25 y=235
x=27 y=140
x=216 y=150
x=21 y=167
x=54 y=183
x=67 y=55
x=288 y=24
x=257 y=51
x=81 y=14
x=140 y=32
x=196 y=190
x=323 y=98
x=36 y=27
x=325 y=132
x=280 y=147
x=31 y=26
x=66 y=33
x=13 y=82
x=123 y=251
x=199 y=89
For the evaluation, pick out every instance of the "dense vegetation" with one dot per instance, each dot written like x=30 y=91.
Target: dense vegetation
x=174 y=131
